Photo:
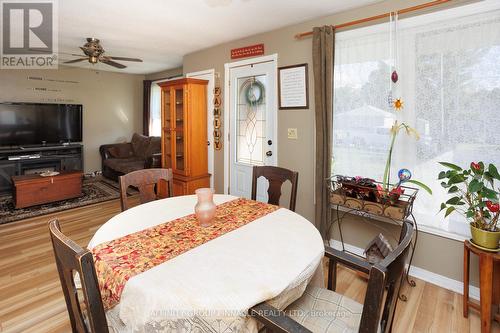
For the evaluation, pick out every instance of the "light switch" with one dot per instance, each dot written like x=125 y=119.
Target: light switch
x=292 y=133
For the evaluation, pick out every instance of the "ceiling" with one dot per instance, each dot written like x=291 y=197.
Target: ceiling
x=161 y=32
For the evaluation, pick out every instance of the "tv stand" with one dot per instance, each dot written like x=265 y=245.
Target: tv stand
x=31 y=160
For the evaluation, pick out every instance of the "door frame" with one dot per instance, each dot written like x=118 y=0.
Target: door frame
x=210 y=119
x=227 y=120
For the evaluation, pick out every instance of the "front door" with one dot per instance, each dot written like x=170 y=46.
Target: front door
x=252 y=125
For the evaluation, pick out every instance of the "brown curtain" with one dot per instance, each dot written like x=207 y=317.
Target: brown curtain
x=146 y=109
x=323 y=54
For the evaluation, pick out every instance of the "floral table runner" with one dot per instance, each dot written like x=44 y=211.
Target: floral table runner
x=120 y=259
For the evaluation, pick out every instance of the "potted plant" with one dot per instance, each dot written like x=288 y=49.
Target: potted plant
x=473 y=195
x=386 y=191
x=389 y=199
x=358 y=187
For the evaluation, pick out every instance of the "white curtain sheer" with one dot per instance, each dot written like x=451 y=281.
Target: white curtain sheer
x=155 y=110
x=449 y=80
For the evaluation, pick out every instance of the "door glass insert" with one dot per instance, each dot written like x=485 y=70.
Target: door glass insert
x=251 y=120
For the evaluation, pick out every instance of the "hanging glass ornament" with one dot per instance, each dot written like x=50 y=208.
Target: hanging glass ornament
x=398 y=104
x=394 y=76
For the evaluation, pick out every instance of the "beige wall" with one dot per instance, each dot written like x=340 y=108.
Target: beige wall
x=434 y=253
x=112 y=102
x=165 y=74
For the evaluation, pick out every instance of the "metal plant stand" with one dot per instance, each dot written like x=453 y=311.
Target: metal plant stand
x=344 y=201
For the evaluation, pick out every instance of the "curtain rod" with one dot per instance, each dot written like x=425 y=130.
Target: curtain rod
x=377 y=17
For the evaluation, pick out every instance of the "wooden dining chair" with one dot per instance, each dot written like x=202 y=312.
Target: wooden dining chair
x=323 y=310
x=71 y=258
x=152 y=184
x=276 y=177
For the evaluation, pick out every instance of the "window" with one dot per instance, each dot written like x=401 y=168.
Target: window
x=155 y=110
x=449 y=79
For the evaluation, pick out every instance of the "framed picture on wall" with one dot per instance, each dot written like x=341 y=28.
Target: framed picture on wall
x=293 y=87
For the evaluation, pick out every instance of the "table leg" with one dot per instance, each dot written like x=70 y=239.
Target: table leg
x=496 y=289
x=466 y=281
x=486 y=291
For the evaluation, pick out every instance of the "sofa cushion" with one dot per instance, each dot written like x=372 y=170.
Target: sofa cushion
x=123 y=150
x=140 y=144
x=154 y=146
x=325 y=311
x=125 y=165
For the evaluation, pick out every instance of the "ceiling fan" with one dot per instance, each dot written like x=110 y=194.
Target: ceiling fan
x=94 y=53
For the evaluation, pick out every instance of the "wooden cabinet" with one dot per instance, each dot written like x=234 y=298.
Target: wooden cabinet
x=184 y=133
x=30 y=190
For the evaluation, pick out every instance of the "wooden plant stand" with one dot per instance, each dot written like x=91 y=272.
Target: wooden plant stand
x=489 y=285
x=343 y=203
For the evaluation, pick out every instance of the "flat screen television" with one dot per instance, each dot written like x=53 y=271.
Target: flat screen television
x=31 y=124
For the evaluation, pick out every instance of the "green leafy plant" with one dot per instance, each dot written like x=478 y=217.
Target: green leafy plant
x=473 y=193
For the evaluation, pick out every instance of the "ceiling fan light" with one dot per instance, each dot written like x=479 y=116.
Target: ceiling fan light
x=94 y=53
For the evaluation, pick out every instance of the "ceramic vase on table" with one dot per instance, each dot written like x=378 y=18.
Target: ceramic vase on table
x=205 y=207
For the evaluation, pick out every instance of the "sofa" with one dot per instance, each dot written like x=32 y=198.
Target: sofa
x=142 y=152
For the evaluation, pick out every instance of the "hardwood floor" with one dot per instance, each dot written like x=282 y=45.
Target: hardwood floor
x=31 y=299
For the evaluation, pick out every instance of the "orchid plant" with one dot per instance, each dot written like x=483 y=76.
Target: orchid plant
x=473 y=193
x=385 y=188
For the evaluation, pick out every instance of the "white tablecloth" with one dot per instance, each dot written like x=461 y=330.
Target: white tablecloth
x=211 y=287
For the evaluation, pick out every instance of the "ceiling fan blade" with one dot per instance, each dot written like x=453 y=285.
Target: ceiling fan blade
x=112 y=63
x=71 y=54
x=125 y=59
x=32 y=50
x=76 y=60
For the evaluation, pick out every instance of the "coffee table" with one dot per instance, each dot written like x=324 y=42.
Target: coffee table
x=31 y=190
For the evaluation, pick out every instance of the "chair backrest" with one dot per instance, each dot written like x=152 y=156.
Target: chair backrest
x=71 y=258
x=386 y=277
x=276 y=177
x=152 y=184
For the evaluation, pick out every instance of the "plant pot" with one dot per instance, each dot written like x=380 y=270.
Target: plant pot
x=487 y=239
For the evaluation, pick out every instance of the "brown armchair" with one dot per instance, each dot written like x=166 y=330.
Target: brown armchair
x=142 y=152
x=324 y=310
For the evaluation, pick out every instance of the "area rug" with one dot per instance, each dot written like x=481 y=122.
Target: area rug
x=94 y=190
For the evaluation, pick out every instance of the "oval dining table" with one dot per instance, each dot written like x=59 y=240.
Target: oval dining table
x=210 y=287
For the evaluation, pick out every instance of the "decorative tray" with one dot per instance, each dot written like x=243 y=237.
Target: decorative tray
x=49 y=173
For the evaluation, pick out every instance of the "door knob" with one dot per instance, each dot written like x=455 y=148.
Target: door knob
x=269 y=142
x=269 y=153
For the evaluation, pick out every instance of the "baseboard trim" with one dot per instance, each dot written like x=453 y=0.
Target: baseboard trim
x=420 y=273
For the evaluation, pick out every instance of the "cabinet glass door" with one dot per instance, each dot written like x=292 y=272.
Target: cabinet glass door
x=167 y=129
x=178 y=133
x=179 y=150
